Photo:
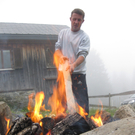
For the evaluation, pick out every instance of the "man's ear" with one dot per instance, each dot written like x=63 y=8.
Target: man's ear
x=70 y=18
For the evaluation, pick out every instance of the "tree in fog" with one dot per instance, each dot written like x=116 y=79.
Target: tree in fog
x=97 y=77
x=121 y=82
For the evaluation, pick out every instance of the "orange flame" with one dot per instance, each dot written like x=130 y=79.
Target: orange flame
x=49 y=133
x=7 y=120
x=58 y=100
x=97 y=119
x=82 y=112
x=36 y=116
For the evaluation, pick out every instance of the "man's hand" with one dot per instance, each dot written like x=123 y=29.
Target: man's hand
x=71 y=68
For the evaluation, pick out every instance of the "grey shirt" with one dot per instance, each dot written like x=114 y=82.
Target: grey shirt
x=74 y=44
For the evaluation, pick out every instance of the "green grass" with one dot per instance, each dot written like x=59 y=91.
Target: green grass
x=46 y=113
x=25 y=110
x=92 y=111
x=111 y=111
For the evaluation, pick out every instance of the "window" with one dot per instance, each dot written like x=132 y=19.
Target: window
x=49 y=51
x=6 y=59
x=10 y=58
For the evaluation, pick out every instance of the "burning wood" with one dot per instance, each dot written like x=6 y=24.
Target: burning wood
x=36 y=124
x=24 y=126
x=73 y=124
x=61 y=123
x=97 y=119
x=68 y=123
x=47 y=124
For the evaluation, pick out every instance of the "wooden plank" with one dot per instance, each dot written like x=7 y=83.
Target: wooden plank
x=105 y=106
x=124 y=93
x=99 y=96
x=111 y=95
x=68 y=87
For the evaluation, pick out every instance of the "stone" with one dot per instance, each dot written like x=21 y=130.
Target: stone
x=125 y=126
x=5 y=112
x=16 y=100
x=133 y=105
x=124 y=112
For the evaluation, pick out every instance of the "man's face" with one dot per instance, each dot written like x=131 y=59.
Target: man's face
x=76 y=22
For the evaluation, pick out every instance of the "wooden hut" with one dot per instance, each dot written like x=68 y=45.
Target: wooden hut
x=26 y=57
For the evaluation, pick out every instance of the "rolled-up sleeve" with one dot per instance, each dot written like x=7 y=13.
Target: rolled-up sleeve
x=84 y=47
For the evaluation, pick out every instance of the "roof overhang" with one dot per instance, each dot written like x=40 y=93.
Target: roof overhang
x=27 y=37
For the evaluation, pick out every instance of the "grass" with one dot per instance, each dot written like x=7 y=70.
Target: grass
x=111 y=111
x=25 y=110
x=47 y=113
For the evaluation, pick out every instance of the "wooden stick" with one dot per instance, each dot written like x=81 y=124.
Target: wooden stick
x=68 y=87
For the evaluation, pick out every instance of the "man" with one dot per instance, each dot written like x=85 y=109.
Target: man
x=73 y=44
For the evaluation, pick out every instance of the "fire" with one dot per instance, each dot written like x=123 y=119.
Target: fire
x=82 y=112
x=35 y=115
x=58 y=100
x=7 y=120
x=97 y=119
x=49 y=133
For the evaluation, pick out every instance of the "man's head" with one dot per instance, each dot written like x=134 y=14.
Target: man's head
x=77 y=18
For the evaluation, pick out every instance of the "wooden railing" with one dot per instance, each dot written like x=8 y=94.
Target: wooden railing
x=109 y=97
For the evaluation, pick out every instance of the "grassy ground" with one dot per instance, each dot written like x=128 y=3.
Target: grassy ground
x=46 y=113
x=111 y=111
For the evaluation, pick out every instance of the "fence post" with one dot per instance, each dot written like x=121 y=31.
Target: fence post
x=109 y=101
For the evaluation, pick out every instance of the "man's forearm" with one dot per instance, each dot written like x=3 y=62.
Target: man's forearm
x=79 y=60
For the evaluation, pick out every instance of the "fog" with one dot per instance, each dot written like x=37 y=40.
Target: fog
x=110 y=25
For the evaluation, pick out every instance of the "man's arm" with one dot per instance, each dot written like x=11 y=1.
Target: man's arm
x=79 y=60
x=72 y=66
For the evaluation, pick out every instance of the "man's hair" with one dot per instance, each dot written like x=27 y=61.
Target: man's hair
x=78 y=11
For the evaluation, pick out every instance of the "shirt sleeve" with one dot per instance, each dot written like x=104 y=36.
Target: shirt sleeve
x=58 y=44
x=84 y=47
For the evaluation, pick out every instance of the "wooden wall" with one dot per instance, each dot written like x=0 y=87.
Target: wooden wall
x=34 y=74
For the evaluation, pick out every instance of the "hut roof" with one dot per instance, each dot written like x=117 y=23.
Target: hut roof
x=29 y=31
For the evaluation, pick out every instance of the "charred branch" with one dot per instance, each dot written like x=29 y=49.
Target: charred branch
x=24 y=126
x=71 y=125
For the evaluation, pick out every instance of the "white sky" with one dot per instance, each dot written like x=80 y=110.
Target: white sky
x=109 y=23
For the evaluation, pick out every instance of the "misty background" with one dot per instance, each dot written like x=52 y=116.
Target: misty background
x=111 y=27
